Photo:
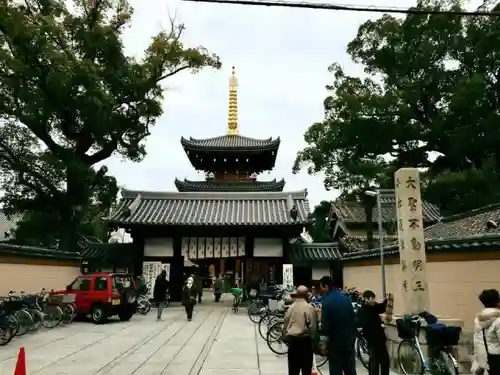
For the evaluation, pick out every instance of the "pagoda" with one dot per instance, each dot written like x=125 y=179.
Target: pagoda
x=231 y=162
x=231 y=223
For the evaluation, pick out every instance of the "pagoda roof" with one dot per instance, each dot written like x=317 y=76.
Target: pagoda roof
x=211 y=208
x=215 y=185
x=230 y=143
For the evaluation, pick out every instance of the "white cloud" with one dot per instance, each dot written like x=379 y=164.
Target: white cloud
x=281 y=56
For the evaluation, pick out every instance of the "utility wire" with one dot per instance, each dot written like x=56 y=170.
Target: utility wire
x=354 y=8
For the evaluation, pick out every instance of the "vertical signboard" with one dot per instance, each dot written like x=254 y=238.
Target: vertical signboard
x=166 y=268
x=233 y=247
x=150 y=270
x=411 y=241
x=241 y=247
x=193 y=248
x=288 y=276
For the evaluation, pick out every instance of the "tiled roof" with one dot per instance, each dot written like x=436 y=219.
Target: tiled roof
x=109 y=251
x=8 y=223
x=37 y=252
x=211 y=208
x=187 y=185
x=451 y=244
x=315 y=251
x=354 y=212
x=466 y=224
x=230 y=142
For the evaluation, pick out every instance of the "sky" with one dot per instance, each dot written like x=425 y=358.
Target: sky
x=281 y=57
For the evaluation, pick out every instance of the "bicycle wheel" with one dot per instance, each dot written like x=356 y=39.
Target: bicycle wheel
x=274 y=341
x=68 y=314
x=265 y=322
x=37 y=319
x=362 y=351
x=25 y=322
x=409 y=359
x=446 y=364
x=5 y=334
x=255 y=311
x=13 y=324
x=52 y=316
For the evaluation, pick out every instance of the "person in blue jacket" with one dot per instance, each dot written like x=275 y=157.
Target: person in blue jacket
x=338 y=324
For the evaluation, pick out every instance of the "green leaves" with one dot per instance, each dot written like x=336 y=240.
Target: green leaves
x=433 y=89
x=71 y=98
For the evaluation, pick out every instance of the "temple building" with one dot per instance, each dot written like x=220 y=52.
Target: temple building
x=230 y=223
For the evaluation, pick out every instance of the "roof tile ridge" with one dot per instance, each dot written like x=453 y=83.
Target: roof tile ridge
x=214 y=195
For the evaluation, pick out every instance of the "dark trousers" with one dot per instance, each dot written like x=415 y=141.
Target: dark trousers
x=494 y=364
x=189 y=310
x=342 y=360
x=379 y=358
x=160 y=305
x=217 y=297
x=300 y=355
x=200 y=293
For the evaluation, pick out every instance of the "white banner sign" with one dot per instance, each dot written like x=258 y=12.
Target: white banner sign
x=288 y=276
x=166 y=267
x=150 y=270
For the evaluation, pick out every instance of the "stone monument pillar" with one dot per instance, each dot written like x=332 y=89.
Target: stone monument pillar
x=411 y=241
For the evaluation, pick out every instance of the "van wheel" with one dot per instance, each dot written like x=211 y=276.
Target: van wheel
x=125 y=316
x=97 y=314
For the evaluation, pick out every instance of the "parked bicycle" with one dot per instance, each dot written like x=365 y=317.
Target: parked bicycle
x=440 y=342
x=237 y=295
x=25 y=313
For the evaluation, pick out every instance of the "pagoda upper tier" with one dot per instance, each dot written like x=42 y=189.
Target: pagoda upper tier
x=232 y=156
x=231 y=153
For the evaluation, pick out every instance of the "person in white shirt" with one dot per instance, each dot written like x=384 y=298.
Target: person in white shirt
x=487 y=335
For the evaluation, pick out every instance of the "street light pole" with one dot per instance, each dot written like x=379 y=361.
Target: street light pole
x=378 y=194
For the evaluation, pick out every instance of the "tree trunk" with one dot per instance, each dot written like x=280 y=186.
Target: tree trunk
x=76 y=201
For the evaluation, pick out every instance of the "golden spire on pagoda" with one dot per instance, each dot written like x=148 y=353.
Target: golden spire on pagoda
x=232 y=122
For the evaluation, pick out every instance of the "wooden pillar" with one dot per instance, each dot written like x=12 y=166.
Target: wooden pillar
x=222 y=266
x=411 y=241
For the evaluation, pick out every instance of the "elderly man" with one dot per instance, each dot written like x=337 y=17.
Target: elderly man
x=301 y=325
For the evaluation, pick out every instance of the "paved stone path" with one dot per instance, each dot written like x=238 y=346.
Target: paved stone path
x=216 y=342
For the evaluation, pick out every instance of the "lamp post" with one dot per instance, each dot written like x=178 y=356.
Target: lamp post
x=378 y=194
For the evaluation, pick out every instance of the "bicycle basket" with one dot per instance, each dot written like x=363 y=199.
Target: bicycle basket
x=440 y=335
x=68 y=298
x=31 y=300
x=12 y=305
x=55 y=300
x=237 y=292
x=405 y=329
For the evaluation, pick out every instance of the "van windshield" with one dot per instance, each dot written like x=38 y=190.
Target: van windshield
x=121 y=281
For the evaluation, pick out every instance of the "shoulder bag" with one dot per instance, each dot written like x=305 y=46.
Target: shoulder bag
x=493 y=360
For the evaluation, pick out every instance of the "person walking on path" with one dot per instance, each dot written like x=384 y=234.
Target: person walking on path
x=189 y=294
x=338 y=324
x=373 y=331
x=487 y=335
x=218 y=288
x=301 y=327
x=199 y=287
x=160 y=292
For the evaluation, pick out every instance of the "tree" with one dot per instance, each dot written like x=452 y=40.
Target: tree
x=432 y=87
x=319 y=231
x=70 y=98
